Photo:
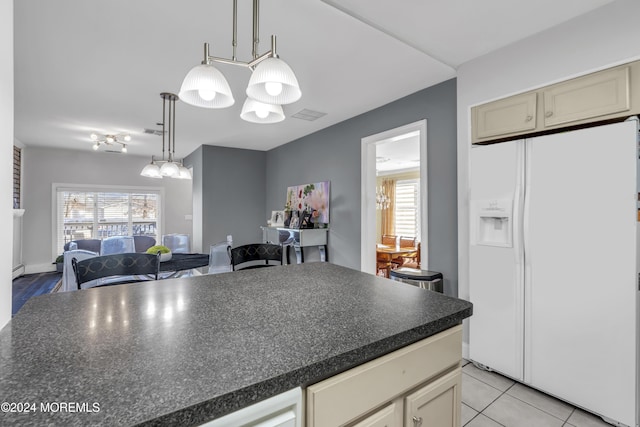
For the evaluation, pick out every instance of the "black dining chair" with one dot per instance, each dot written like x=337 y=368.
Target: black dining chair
x=255 y=252
x=127 y=266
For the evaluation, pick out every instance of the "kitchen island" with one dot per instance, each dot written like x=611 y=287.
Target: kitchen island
x=185 y=351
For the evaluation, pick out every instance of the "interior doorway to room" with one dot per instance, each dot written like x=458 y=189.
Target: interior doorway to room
x=394 y=190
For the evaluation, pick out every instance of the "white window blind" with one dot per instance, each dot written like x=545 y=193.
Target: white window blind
x=89 y=214
x=407 y=208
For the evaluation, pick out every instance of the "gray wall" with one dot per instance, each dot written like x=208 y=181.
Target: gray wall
x=334 y=154
x=228 y=194
x=44 y=166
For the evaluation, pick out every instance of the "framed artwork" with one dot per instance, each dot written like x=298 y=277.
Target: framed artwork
x=295 y=220
x=305 y=220
x=313 y=198
x=277 y=218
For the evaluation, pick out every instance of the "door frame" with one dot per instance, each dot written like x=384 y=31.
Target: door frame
x=368 y=191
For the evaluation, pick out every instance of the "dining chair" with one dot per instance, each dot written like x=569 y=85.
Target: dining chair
x=219 y=258
x=122 y=268
x=389 y=239
x=68 y=275
x=413 y=261
x=255 y=252
x=92 y=245
x=177 y=243
x=407 y=242
x=142 y=243
x=117 y=245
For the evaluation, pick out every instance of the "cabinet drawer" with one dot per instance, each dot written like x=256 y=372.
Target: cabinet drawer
x=588 y=97
x=351 y=394
x=504 y=117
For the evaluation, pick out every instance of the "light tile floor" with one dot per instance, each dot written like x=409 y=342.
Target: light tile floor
x=491 y=400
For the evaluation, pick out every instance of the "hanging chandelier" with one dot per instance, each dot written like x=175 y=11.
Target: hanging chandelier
x=382 y=200
x=170 y=167
x=110 y=139
x=271 y=85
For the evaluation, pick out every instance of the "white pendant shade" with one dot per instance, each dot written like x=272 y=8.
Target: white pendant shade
x=183 y=173
x=170 y=169
x=152 y=170
x=273 y=82
x=205 y=86
x=259 y=112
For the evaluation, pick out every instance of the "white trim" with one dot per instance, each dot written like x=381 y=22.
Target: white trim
x=368 y=190
x=18 y=212
x=39 y=268
x=57 y=186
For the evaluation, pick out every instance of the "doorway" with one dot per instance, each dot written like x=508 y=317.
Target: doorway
x=379 y=147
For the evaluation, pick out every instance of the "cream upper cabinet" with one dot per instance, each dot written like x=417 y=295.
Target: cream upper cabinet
x=591 y=96
x=507 y=116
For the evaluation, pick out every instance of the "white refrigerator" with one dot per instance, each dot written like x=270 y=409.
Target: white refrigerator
x=553 y=265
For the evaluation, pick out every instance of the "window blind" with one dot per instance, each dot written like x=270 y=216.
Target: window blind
x=89 y=214
x=407 y=208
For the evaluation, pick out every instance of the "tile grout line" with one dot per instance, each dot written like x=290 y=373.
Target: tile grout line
x=501 y=394
x=564 y=421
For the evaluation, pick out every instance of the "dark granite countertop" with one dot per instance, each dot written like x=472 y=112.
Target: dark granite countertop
x=184 y=351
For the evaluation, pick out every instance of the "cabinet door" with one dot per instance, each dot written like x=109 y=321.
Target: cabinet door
x=513 y=115
x=594 y=95
x=389 y=416
x=437 y=404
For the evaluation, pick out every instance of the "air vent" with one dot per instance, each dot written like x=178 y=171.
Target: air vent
x=308 y=115
x=153 y=132
x=113 y=151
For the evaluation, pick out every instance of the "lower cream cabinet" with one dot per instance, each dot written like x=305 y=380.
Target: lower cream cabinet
x=418 y=385
x=436 y=404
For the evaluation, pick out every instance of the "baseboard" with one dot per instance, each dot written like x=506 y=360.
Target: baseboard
x=18 y=271
x=39 y=268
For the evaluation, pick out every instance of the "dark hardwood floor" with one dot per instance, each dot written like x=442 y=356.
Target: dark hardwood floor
x=30 y=285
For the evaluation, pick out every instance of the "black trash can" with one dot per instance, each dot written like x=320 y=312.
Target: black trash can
x=424 y=279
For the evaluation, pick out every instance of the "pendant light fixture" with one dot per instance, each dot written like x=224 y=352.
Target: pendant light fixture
x=170 y=167
x=272 y=82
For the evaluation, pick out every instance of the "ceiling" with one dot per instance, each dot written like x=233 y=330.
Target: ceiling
x=85 y=66
x=400 y=153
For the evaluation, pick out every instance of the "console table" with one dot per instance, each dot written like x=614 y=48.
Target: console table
x=298 y=239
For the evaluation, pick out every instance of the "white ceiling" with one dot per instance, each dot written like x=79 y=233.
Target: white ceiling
x=401 y=153
x=85 y=66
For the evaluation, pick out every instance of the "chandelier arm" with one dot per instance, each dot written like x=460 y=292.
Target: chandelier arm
x=228 y=61
x=259 y=59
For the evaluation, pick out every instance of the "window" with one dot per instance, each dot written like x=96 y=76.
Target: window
x=407 y=208
x=86 y=213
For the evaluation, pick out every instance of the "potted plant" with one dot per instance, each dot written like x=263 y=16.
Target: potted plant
x=165 y=252
x=59 y=262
